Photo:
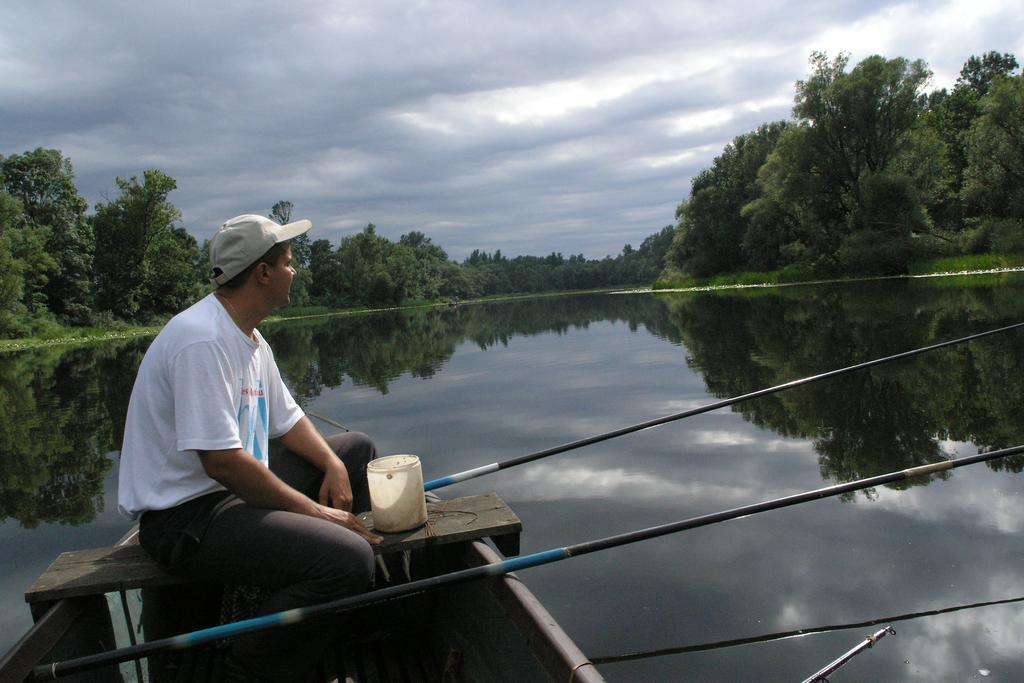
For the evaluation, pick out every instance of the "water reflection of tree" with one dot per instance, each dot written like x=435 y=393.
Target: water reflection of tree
x=375 y=350
x=877 y=420
x=56 y=431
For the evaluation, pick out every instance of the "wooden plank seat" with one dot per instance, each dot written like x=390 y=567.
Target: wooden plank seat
x=124 y=567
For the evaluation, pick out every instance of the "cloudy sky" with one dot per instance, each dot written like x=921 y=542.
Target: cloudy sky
x=529 y=127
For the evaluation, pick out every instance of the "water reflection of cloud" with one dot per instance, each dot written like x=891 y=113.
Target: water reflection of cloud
x=797 y=447
x=958 y=635
x=993 y=503
x=577 y=418
x=792 y=617
x=956 y=449
x=669 y=407
x=552 y=482
x=721 y=438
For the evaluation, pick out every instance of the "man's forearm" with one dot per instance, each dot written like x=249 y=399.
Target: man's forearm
x=253 y=482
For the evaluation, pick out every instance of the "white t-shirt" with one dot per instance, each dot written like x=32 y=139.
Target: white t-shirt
x=202 y=385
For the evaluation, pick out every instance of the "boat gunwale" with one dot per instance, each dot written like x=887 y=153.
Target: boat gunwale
x=561 y=656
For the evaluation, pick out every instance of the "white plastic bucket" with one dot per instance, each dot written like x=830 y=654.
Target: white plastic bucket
x=396 y=493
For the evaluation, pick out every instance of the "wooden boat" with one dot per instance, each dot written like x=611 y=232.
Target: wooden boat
x=487 y=630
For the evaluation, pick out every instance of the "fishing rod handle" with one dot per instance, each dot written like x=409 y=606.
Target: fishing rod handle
x=868 y=642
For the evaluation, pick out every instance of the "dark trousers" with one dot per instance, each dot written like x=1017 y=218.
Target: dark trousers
x=300 y=560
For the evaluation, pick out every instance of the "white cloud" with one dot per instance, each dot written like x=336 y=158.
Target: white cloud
x=711 y=118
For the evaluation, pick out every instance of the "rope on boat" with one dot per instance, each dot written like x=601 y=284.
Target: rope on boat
x=298 y=615
x=494 y=467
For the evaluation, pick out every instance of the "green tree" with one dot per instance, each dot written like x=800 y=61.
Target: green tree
x=173 y=275
x=281 y=212
x=372 y=270
x=994 y=178
x=24 y=261
x=325 y=271
x=888 y=215
x=132 y=242
x=12 y=269
x=44 y=182
x=431 y=277
x=653 y=253
x=712 y=233
x=951 y=116
x=851 y=127
x=978 y=73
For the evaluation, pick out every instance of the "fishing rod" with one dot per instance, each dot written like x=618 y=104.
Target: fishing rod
x=328 y=420
x=494 y=467
x=45 y=672
x=794 y=633
x=819 y=676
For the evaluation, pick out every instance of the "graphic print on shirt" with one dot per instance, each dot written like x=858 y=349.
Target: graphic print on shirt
x=254 y=421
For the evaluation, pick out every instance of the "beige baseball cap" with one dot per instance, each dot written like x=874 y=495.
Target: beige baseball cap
x=243 y=239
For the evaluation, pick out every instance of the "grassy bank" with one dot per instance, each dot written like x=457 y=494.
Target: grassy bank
x=76 y=336
x=960 y=265
x=973 y=263
x=80 y=336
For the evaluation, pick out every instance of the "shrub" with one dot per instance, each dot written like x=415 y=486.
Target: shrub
x=1006 y=235
x=873 y=252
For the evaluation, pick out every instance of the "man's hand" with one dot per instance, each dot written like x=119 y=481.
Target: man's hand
x=336 y=490
x=305 y=441
x=349 y=521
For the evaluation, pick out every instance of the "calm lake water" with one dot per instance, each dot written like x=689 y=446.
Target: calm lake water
x=940 y=560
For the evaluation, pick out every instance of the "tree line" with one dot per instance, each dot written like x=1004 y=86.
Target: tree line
x=131 y=260
x=869 y=176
